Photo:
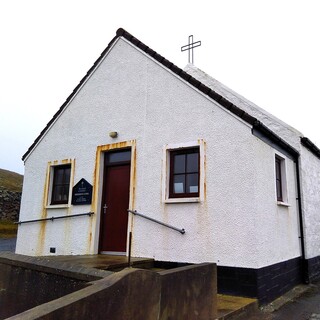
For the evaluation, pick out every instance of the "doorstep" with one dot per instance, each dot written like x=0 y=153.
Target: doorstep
x=231 y=307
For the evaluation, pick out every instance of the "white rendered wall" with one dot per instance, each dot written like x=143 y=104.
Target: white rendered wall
x=310 y=174
x=237 y=224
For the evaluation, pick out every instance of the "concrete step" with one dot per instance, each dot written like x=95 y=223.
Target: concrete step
x=236 y=308
x=141 y=264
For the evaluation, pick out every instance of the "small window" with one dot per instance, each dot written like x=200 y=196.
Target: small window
x=61 y=184
x=184 y=173
x=279 y=181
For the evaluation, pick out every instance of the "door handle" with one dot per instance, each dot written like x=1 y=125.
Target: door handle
x=105 y=208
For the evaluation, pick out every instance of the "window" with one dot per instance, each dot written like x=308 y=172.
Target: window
x=184 y=173
x=279 y=179
x=61 y=184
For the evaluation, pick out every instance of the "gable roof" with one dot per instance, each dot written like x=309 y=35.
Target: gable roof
x=222 y=101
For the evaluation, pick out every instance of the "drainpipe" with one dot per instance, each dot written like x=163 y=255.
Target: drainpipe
x=304 y=266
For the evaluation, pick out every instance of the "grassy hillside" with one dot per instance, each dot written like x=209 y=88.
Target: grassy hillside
x=11 y=181
x=10 y=185
x=8 y=229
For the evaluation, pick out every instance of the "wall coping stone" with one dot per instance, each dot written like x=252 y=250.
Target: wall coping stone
x=45 y=264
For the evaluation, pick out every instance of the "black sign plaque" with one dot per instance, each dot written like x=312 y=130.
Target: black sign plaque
x=82 y=193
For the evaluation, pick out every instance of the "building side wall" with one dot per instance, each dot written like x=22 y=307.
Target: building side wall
x=310 y=180
x=277 y=223
x=237 y=223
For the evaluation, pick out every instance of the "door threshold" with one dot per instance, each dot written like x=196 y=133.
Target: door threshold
x=113 y=253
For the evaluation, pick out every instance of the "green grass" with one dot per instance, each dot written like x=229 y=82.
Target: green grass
x=11 y=181
x=8 y=229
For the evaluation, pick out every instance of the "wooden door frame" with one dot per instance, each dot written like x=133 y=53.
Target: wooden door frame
x=104 y=237
x=98 y=187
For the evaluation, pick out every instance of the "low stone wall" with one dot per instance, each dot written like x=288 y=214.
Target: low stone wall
x=129 y=294
x=189 y=292
x=135 y=294
x=26 y=282
x=22 y=289
x=9 y=205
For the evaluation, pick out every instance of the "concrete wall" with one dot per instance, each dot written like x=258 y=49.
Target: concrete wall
x=189 y=293
x=237 y=221
x=22 y=289
x=138 y=295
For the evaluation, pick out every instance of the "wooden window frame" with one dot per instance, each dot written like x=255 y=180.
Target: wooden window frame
x=184 y=151
x=64 y=184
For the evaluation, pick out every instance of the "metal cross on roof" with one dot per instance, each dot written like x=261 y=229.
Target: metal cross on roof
x=190 y=47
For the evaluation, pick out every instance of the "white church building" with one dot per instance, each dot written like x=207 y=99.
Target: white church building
x=239 y=186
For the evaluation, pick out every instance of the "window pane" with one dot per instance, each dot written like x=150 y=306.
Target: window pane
x=179 y=184
x=58 y=175
x=192 y=183
x=179 y=163
x=278 y=168
x=66 y=177
x=192 y=162
x=279 y=191
x=119 y=156
x=58 y=193
x=65 y=193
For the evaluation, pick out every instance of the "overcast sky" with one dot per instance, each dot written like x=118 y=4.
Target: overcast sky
x=268 y=51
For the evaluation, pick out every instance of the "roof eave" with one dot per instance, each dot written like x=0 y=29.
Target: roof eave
x=306 y=142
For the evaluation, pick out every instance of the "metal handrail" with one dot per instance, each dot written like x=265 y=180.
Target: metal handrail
x=56 y=218
x=182 y=231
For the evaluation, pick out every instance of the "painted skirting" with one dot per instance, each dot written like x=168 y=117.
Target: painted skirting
x=266 y=283
x=313 y=265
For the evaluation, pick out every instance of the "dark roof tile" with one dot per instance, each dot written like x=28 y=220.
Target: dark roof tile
x=215 y=96
x=175 y=69
x=247 y=118
x=134 y=41
x=142 y=46
x=196 y=83
x=184 y=75
x=167 y=63
x=234 y=109
x=204 y=88
x=120 y=32
x=158 y=57
x=225 y=103
x=150 y=52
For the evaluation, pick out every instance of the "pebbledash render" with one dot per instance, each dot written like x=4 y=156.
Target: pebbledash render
x=181 y=148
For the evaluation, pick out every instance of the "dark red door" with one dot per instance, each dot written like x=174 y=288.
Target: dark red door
x=115 y=202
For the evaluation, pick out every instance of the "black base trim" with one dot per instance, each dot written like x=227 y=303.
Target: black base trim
x=313 y=265
x=266 y=284
x=169 y=264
